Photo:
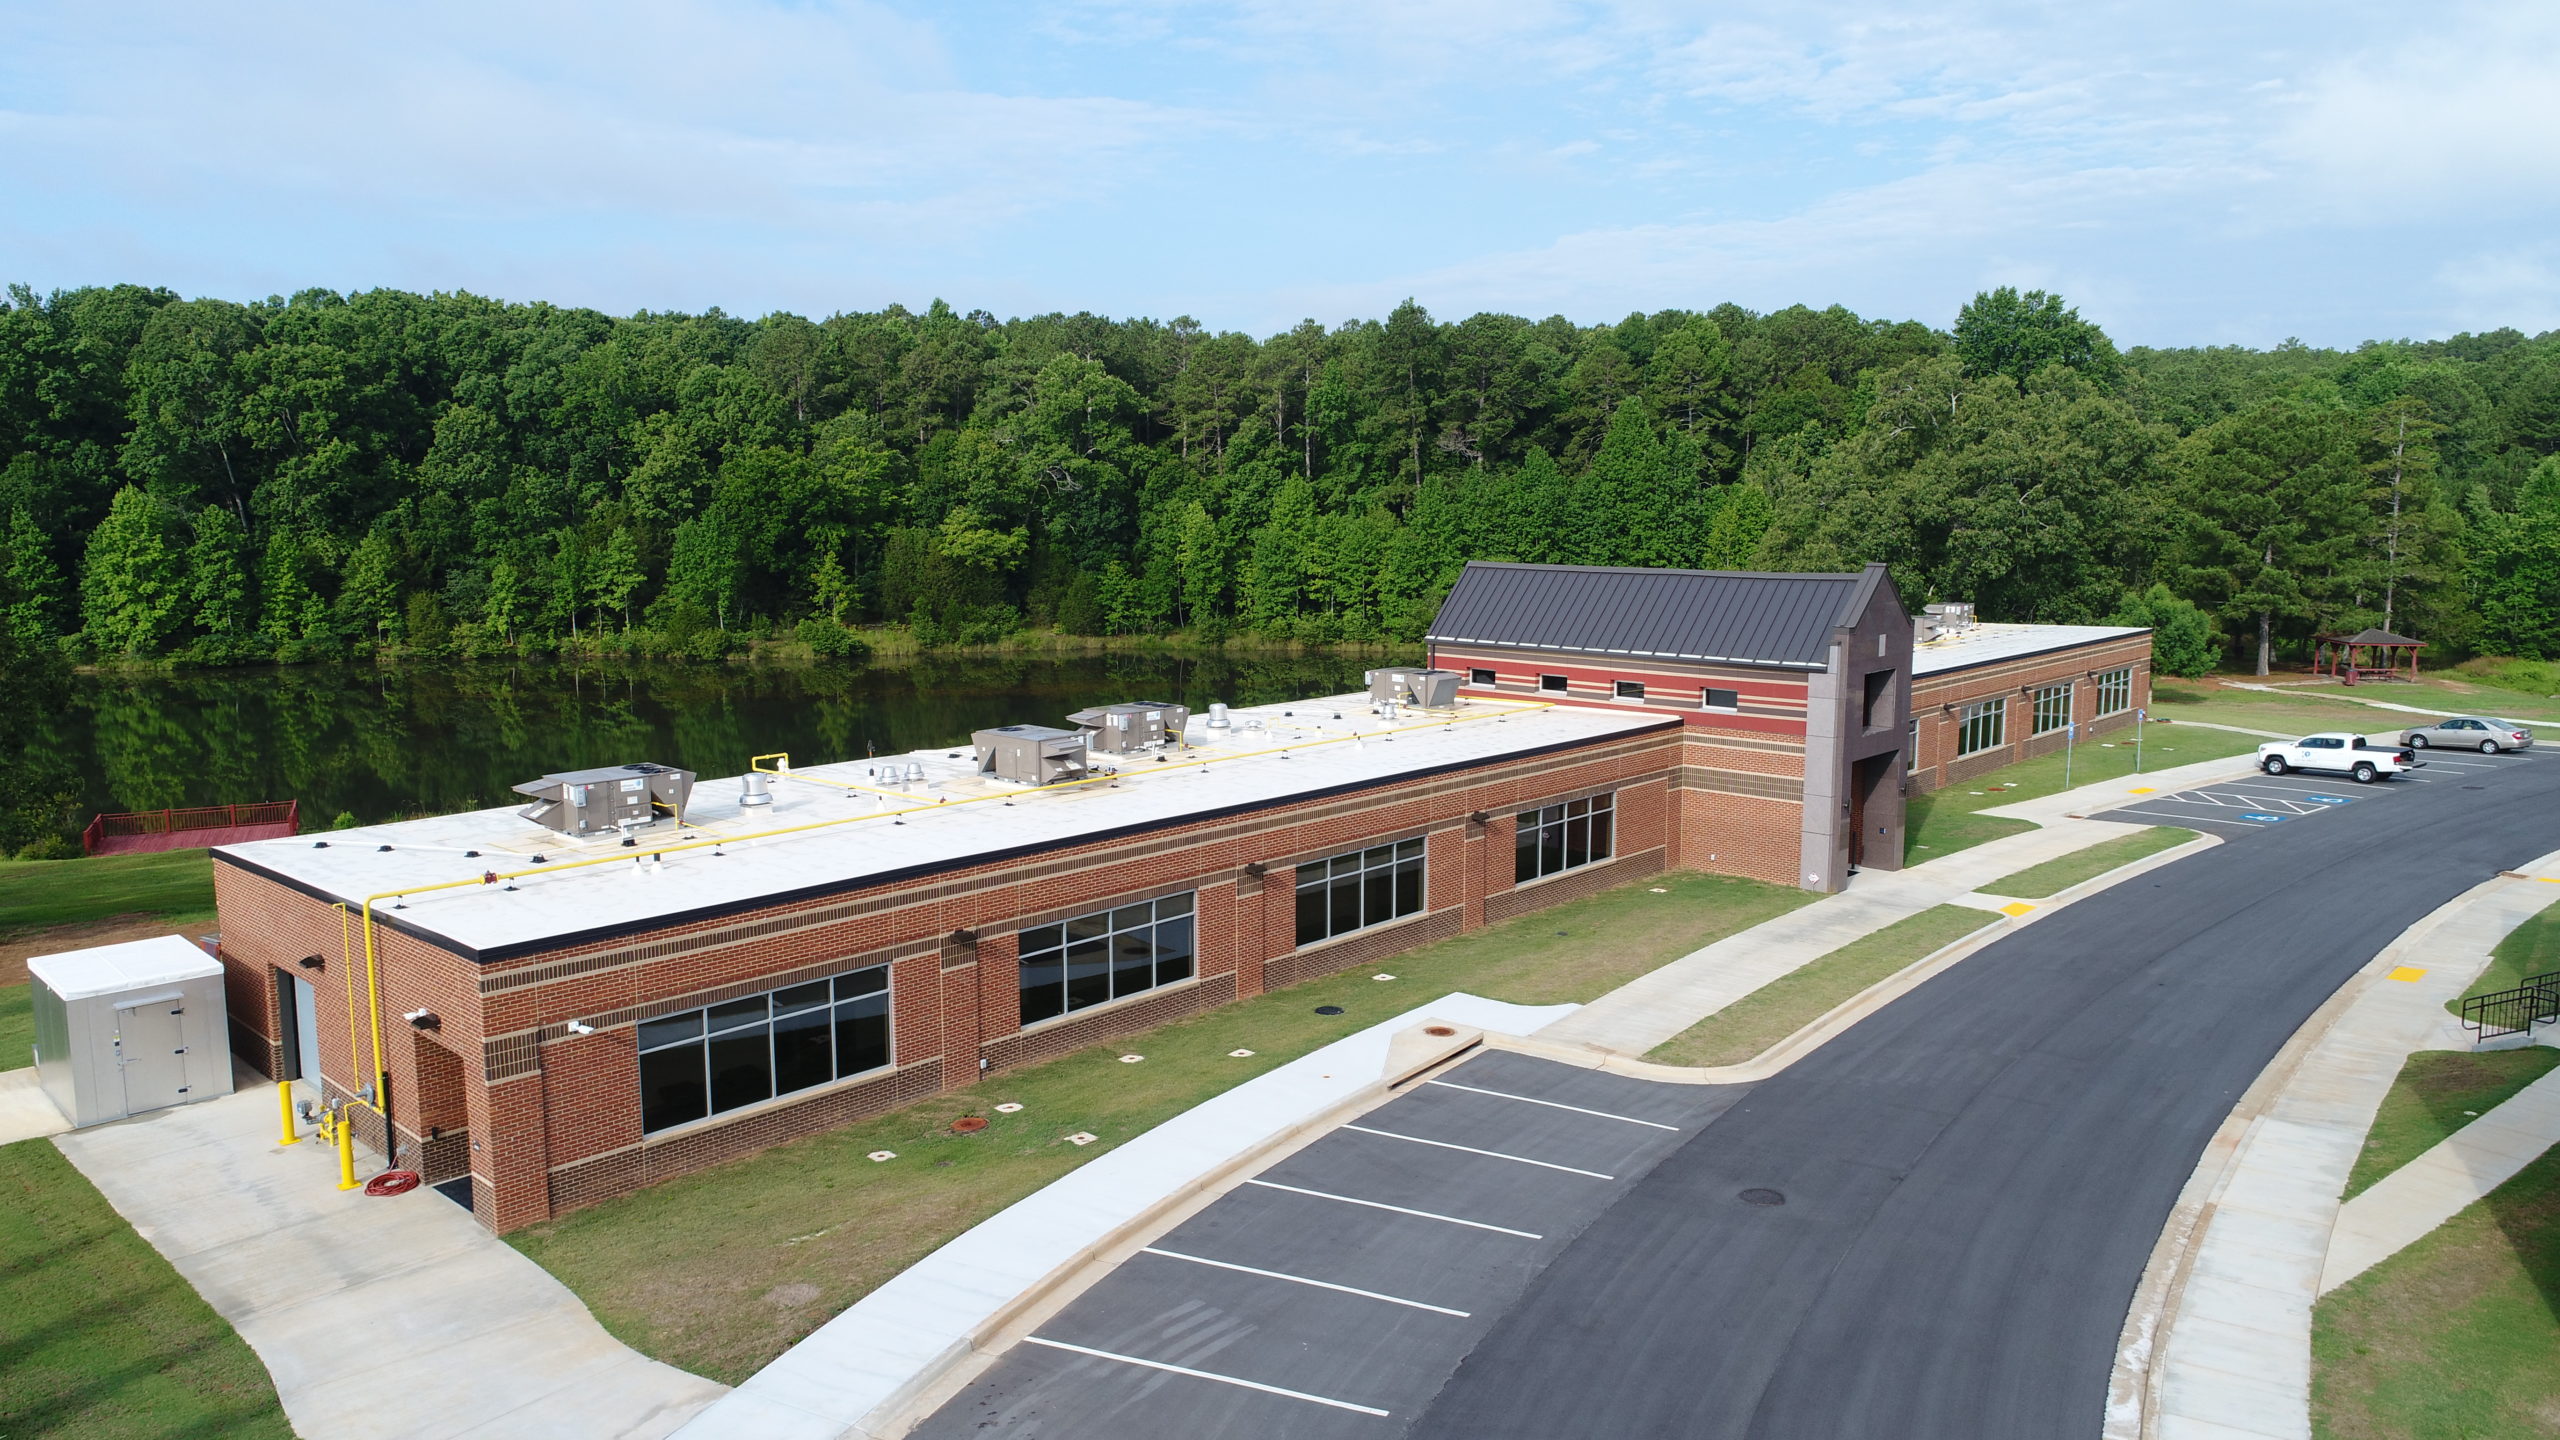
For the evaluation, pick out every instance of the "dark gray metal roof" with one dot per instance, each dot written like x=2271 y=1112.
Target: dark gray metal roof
x=1723 y=616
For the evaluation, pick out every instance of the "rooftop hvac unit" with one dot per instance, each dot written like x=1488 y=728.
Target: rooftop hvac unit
x=1946 y=618
x=1138 y=725
x=1407 y=685
x=1031 y=754
x=601 y=801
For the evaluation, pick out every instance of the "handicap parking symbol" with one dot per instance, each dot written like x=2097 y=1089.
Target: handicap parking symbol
x=2328 y=799
x=2261 y=817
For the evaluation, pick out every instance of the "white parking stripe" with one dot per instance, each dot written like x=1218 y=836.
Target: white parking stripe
x=1398 y=1209
x=1203 y=1375
x=2208 y=819
x=1550 y=1104
x=1302 y=1280
x=1471 y=1150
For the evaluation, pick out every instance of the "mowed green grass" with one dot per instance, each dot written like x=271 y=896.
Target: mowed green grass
x=1944 y=820
x=2055 y=876
x=720 y=1271
x=2454 y=1338
x=1787 y=1004
x=2532 y=948
x=2437 y=1093
x=44 y=894
x=17 y=1026
x=103 y=1340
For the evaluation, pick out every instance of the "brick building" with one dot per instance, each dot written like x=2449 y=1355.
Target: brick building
x=561 y=1019
x=1986 y=695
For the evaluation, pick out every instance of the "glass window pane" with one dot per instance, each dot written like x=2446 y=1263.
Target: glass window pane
x=1173 y=950
x=1603 y=826
x=803 y=1053
x=1041 y=937
x=862 y=982
x=1088 y=974
x=1044 y=986
x=671 y=1089
x=1173 y=905
x=1377 y=897
x=862 y=1036
x=1087 y=927
x=801 y=997
x=1409 y=888
x=1550 y=849
x=667 y=1029
x=1577 y=841
x=1575 y=809
x=1133 y=917
x=741 y=1068
x=1525 y=840
x=1409 y=850
x=1311 y=914
x=1133 y=962
x=738 y=1012
x=1345 y=905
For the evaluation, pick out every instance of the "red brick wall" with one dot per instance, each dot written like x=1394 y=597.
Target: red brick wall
x=1938 y=701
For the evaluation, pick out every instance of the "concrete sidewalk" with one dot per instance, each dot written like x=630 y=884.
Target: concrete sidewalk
x=1652 y=1008
x=377 y=1316
x=2403 y=1206
x=2229 y=1354
x=25 y=1110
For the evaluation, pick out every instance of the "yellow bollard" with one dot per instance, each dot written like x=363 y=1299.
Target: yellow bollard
x=284 y=1109
x=346 y=1155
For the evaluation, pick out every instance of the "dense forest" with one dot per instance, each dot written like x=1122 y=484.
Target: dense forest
x=384 y=473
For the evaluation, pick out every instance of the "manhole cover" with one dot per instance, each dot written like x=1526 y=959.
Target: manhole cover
x=1438 y=1030
x=1762 y=1197
x=1328 y=1009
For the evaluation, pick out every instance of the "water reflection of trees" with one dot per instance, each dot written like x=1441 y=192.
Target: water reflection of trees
x=381 y=742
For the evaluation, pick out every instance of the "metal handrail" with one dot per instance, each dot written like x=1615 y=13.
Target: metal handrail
x=2514 y=1011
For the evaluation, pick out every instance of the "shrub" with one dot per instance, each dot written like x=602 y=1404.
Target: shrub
x=2182 y=639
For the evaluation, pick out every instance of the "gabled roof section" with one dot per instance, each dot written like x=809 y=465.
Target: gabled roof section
x=1726 y=617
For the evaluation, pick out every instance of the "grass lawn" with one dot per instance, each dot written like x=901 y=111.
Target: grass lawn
x=45 y=894
x=2453 y=1338
x=2532 y=948
x=1789 y=1003
x=1943 y=821
x=2439 y=1092
x=2302 y=708
x=17 y=1027
x=104 y=1339
x=2055 y=876
x=720 y=1271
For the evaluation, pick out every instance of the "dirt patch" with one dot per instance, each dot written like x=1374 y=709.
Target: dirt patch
x=18 y=946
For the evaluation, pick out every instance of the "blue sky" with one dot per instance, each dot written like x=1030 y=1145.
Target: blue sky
x=2186 y=173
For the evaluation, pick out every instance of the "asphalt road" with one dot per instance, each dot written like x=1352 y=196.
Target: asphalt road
x=1975 y=1177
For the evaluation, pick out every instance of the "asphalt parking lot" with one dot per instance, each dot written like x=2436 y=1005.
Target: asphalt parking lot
x=1333 y=1293
x=2261 y=802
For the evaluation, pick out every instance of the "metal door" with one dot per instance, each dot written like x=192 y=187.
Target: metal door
x=151 y=1050
x=306 y=1030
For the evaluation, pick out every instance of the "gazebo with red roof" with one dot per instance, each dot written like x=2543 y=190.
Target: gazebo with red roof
x=2368 y=654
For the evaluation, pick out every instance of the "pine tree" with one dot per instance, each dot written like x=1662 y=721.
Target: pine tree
x=130 y=584
x=1743 y=515
x=2515 y=569
x=34 y=582
x=2275 y=517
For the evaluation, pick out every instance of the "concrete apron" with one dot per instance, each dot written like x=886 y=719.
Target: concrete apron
x=377 y=1316
x=26 y=1112
x=2217 y=1343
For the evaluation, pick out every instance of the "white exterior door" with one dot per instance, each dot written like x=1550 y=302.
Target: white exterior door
x=306 y=1032
x=151 y=1051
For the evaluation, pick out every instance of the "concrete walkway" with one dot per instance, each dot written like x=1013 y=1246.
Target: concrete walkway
x=25 y=1110
x=377 y=1317
x=1652 y=1008
x=2463 y=1168
x=2219 y=1345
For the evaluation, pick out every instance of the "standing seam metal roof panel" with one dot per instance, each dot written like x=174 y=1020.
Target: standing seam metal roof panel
x=1734 y=617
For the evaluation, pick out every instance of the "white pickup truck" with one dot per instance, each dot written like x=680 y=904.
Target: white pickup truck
x=2339 y=752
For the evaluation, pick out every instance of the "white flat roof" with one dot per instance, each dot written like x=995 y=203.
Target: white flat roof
x=129 y=965
x=1983 y=644
x=1270 y=755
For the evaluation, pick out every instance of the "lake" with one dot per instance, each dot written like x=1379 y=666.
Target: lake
x=386 y=742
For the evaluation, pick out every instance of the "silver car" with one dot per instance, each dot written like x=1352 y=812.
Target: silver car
x=2470 y=732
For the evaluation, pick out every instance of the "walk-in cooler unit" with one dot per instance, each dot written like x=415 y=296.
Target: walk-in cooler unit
x=124 y=1029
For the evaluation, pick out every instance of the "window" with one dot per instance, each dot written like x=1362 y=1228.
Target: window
x=1985 y=726
x=1480 y=677
x=1104 y=956
x=1563 y=837
x=2324 y=742
x=1721 y=699
x=1630 y=689
x=2052 y=708
x=1879 y=698
x=702 y=1062
x=1551 y=682
x=2115 y=691
x=1355 y=891
x=1911 y=747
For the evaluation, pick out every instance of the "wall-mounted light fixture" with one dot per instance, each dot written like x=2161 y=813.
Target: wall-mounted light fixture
x=580 y=1027
x=312 y=962
x=423 y=1019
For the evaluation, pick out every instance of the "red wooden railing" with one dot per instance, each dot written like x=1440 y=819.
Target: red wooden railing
x=143 y=830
